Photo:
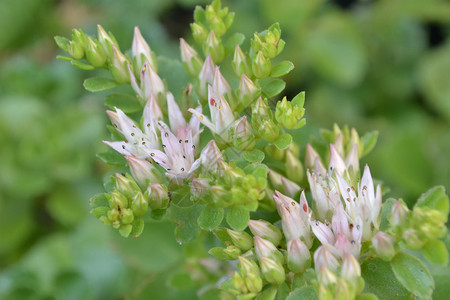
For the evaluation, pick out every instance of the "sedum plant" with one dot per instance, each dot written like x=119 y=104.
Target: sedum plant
x=214 y=155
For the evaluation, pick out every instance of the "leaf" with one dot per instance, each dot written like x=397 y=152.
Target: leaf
x=127 y=103
x=435 y=198
x=181 y=280
x=272 y=87
x=218 y=252
x=112 y=158
x=222 y=234
x=71 y=285
x=211 y=217
x=413 y=275
x=238 y=217
x=436 y=252
x=306 y=292
x=267 y=294
x=369 y=141
x=254 y=155
x=380 y=280
x=98 y=84
x=282 y=68
x=367 y=296
x=82 y=65
x=283 y=141
x=100 y=211
x=186 y=219
x=138 y=227
x=99 y=200
x=299 y=100
x=386 y=210
x=236 y=39
x=63 y=57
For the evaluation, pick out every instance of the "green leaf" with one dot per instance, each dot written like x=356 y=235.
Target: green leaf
x=367 y=297
x=99 y=200
x=436 y=252
x=369 y=141
x=299 y=100
x=236 y=39
x=98 y=84
x=71 y=285
x=238 y=217
x=186 y=219
x=272 y=87
x=211 y=217
x=413 y=275
x=112 y=158
x=282 y=68
x=63 y=57
x=386 y=210
x=127 y=103
x=283 y=141
x=435 y=198
x=100 y=211
x=254 y=155
x=380 y=280
x=83 y=66
x=63 y=43
x=267 y=294
x=218 y=252
x=199 y=14
x=181 y=281
x=222 y=234
x=138 y=227
x=125 y=230
x=306 y=292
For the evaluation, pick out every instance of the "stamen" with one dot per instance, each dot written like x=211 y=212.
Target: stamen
x=152 y=154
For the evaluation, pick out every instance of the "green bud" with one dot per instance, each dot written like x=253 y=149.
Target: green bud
x=118 y=200
x=248 y=92
x=228 y=20
x=294 y=168
x=261 y=66
x=95 y=54
x=232 y=252
x=412 y=239
x=384 y=245
x=269 y=131
x=239 y=283
x=241 y=239
x=399 y=214
x=119 y=66
x=106 y=41
x=127 y=216
x=126 y=185
x=289 y=115
x=214 y=47
x=250 y=273
x=265 y=248
x=139 y=205
x=113 y=215
x=157 y=195
x=79 y=38
x=265 y=230
x=125 y=230
x=240 y=63
x=272 y=271
x=199 y=33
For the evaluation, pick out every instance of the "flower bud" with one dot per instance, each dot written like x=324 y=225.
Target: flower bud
x=125 y=229
x=243 y=138
x=289 y=114
x=412 y=239
x=250 y=273
x=294 y=168
x=214 y=47
x=95 y=54
x=239 y=283
x=200 y=187
x=269 y=131
x=241 y=239
x=351 y=269
x=119 y=66
x=199 y=33
x=113 y=215
x=221 y=87
x=248 y=92
x=190 y=58
x=118 y=200
x=399 y=213
x=323 y=257
x=106 y=41
x=143 y=171
x=261 y=66
x=290 y=188
x=141 y=52
x=80 y=43
x=384 y=245
x=126 y=185
x=312 y=161
x=240 y=63
x=206 y=77
x=352 y=159
x=265 y=248
x=157 y=195
x=336 y=162
x=265 y=230
x=139 y=205
x=272 y=271
x=127 y=216
x=326 y=276
x=232 y=252
x=298 y=256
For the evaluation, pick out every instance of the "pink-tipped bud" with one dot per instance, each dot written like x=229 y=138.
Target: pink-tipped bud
x=384 y=245
x=265 y=248
x=337 y=164
x=399 y=213
x=265 y=230
x=206 y=77
x=143 y=171
x=141 y=52
x=157 y=195
x=243 y=138
x=312 y=160
x=190 y=58
x=351 y=268
x=294 y=168
x=200 y=186
x=298 y=256
x=323 y=257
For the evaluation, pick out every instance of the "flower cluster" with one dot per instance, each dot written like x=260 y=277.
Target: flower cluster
x=198 y=159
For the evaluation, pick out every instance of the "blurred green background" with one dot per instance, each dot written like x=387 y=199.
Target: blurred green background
x=369 y=64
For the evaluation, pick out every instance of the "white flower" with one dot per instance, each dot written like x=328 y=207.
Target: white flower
x=222 y=118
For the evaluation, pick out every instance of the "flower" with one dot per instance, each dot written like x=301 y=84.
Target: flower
x=149 y=82
x=222 y=117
